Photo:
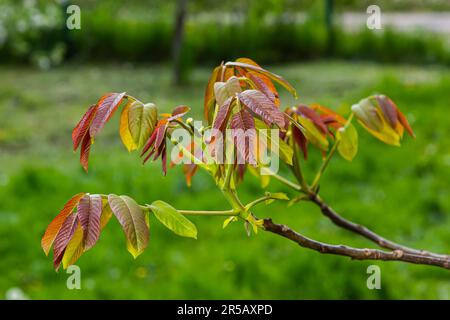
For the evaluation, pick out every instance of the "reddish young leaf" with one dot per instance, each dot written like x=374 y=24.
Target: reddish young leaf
x=223 y=115
x=65 y=234
x=156 y=144
x=405 y=123
x=257 y=102
x=189 y=171
x=389 y=110
x=178 y=112
x=260 y=76
x=245 y=143
x=301 y=141
x=164 y=159
x=89 y=211
x=227 y=74
x=85 y=150
x=105 y=109
x=393 y=113
x=261 y=85
x=53 y=228
x=328 y=116
x=150 y=142
x=161 y=133
x=82 y=127
x=266 y=73
x=309 y=113
x=209 y=93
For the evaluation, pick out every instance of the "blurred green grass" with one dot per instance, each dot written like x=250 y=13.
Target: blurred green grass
x=402 y=193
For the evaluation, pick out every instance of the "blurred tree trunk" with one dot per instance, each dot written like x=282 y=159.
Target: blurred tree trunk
x=177 y=45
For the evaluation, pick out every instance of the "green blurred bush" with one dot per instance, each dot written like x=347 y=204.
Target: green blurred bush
x=114 y=31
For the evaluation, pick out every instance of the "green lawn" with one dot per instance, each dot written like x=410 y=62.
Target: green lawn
x=402 y=193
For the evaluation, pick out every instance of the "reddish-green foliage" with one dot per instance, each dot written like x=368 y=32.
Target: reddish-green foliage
x=239 y=96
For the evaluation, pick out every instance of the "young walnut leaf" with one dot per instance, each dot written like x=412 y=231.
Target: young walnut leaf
x=137 y=123
x=124 y=129
x=209 y=101
x=262 y=82
x=328 y=116
x=257 y=69
x=89 y=212
x=74 y=249
x=300 y=140
x=309 y=113
x=173 y=220
x=225 y=90
x=178 y=112
x=223 y=115
x=313 y=134
x=62 y=239
x=348 y=141
x=257 y=102
x=381 y=118
x=156 y=144
x=91 y=123
x=262 y=86
x=106 y=214
x=105 y=109
x=82 y=127
x=132 y=219
x=245 y=141
x=85 y=150
x=55 y=226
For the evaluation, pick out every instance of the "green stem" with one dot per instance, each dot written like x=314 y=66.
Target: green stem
x=323 y=167
x=260 y=200
x=227 y=180
x=230 y=212
x=296 y=168
x=283 y=180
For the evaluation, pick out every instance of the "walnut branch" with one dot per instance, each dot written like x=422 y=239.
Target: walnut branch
x=365 y=232
x=354 y=253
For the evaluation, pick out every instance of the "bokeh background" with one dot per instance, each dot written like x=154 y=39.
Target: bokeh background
x=49 y=76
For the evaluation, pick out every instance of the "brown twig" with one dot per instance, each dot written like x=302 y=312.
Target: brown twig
x=354 y=253
x=365 y=232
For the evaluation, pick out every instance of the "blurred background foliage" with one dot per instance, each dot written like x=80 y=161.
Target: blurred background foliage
x=270 y=31
x=49 y=76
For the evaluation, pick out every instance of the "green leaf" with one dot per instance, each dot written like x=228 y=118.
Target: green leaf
x=348 y=142
x=173 y=220
x=281 y=148
x=275 y=196
x=132 y=219
x=313 y=134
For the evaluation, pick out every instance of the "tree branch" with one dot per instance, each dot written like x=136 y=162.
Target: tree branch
x=365 y=232
x=354 y=253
